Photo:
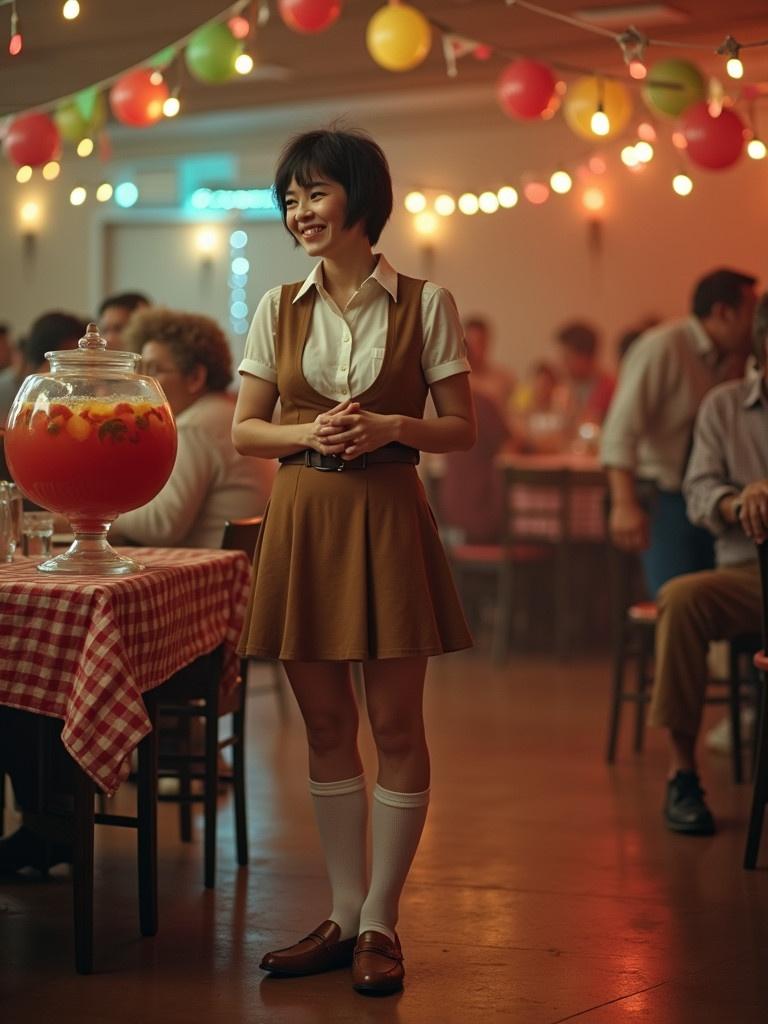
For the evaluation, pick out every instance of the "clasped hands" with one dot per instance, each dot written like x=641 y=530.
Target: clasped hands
x=348 y=430
x=753 y=514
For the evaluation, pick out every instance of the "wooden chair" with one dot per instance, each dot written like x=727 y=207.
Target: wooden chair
x=634 y=639
x=195 y=693
x=760 y=790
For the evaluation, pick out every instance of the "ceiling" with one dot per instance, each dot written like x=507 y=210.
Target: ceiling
x=110 y=36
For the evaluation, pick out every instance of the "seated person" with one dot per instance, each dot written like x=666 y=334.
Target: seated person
x=51 y=331
x=588 y=388
x=210 y=482
x=538 y=412
x=726 y=490
x=488 y=377
x=115 y=312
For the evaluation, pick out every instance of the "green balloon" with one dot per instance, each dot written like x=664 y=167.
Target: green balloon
x=673 y=102
x=211 y=54
x=81 y=116
x=162 y=58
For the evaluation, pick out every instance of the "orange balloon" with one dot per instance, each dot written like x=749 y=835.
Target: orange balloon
x=583 y=99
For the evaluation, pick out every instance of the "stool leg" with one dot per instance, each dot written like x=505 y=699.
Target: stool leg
x=146 y=798
x=82 y=871
x=760 y=792
x=185 y=782
x=617 y=693
x=734 y=709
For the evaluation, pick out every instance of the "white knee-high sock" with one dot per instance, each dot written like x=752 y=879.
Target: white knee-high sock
x=397 y=823
x=341 y=810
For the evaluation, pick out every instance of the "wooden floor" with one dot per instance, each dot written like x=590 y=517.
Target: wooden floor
x=545 y=888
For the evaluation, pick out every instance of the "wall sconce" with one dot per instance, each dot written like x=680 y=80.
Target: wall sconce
x=207 y=244
x=30 y=221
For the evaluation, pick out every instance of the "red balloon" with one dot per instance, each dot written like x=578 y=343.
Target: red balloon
x=525 y=88
x=32 y=139
x=137 y=98
x=309 y=15
x=713 y=142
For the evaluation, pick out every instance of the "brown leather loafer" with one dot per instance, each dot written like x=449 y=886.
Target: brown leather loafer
x=321 y=950
x=377 y=967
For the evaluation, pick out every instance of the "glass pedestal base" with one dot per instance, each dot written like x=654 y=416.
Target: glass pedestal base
x=90 y=554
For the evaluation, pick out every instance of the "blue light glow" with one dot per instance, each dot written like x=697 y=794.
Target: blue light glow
x=240 y=267
x=238 y=239
x=126 y=194
x=238 y=310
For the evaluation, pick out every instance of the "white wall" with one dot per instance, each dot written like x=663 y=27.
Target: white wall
x=527 y=269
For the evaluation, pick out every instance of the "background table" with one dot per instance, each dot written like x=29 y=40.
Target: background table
x=85 y=648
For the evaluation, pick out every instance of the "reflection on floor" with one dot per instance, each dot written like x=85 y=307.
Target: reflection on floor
x=545 y=888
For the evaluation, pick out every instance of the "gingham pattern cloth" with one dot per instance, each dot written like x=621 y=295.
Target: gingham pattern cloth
x=85 y=648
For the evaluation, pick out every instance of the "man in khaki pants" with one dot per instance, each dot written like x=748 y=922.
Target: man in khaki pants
x=726 y=490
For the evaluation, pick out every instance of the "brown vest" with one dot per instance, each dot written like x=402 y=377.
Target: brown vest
x=400 y=386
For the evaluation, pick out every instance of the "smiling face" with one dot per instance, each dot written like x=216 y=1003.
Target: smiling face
x=315 y=215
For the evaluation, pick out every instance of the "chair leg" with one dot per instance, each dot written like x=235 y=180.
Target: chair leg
x=82 y=871
x=211 y=781
x=641 y=688
x=617 y=693
x=2 y=803
x=502 y=626
x=238 y=774
x=734 y=710
x=760 y=791
x=185 y=782
x=146 y=797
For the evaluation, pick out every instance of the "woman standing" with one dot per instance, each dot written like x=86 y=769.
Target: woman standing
x=349 y=566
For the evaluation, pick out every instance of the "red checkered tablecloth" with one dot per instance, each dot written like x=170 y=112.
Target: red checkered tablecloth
x=85 y=648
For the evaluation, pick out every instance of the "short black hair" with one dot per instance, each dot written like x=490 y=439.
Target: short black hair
x=760 y=329
x=125 y=300
x=720 y=286
x=578 y=337
x=48 y=333
x=350 y=158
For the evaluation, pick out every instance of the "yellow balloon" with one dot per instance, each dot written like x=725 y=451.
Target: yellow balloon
x=582 y=100
x=398 y=37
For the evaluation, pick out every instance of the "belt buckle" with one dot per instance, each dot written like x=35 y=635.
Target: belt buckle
x=328 y=464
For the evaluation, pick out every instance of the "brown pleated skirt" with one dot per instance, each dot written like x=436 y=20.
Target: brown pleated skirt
x=349 y=567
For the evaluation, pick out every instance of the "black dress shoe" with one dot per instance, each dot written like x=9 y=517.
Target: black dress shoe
x=685 y=809
x=25 y=849
x=322 y=950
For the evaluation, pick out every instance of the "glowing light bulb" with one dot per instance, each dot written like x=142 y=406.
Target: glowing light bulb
x=507 y=197
x=593 y=199
x=16 y=44
x=637 y=70
x=646 y=132
x=445 y=205
x=597 y=165
x=561 y=182
x=682 y=184
x=425 y=223
x=488 y=202
x=734 y=67
x=70 y=10
x=78 y=196
x=51 y=170
x=536 y=192
x=30 y=215
x=644 y=152
x=104 y=192
x=206 y=240
x=756 y=149
x=244 y=64
x=629 y=157
x=600 y=123
x=415 y=202
x=24 y=174
x=679 y=140
x=156 y=78
x=171 y=106
x=469 y=203
x=85 y=147
x=239 y=26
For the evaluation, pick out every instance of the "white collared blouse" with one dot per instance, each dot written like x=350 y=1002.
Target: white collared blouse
x=345 y=348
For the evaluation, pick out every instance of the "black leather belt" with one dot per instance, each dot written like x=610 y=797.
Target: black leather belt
x=335 y=464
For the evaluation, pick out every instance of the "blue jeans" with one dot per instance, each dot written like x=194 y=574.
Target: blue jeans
x=677 y=546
